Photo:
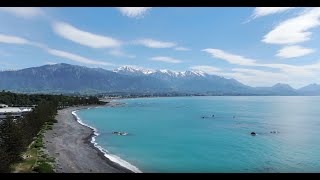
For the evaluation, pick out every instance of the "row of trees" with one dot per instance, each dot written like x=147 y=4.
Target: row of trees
x=17 y=134
x=14 y=99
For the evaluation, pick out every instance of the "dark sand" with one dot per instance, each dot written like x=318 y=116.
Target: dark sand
x=69 y=143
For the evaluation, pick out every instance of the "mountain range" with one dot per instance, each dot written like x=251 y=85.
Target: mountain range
x=72 y=78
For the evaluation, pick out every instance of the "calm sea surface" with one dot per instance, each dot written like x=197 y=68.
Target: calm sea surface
x=170 y=135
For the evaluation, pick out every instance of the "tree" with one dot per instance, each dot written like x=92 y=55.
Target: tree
x=16 y=135
x=11 y=141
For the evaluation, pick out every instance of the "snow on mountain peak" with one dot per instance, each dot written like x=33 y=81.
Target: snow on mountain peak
x=200 y=73
x=133 y=69
x=193 y=73
x=141 y=71
x=171 y=73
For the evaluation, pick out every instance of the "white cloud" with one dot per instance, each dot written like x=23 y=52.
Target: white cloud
x=315 y=66
x=58 y=53
x=165 y=59
x=4 y=38
x=133 y=11
x=120 y=53
x=292 y=74
x=50 y=63
x=38 y=45
x=84 y=38
x=265 y=11
x=294 y=30
x=155 y=44
x=77 y=58
x=207 y=69
x=246 y=76
x=294 y=51
x=255 y=72
x=303 y=71
x=25 y=12
x=12 y=39
x=258 y=78
x=240 y=60
x=267 y=78
x=231 y=58
x=182 y=49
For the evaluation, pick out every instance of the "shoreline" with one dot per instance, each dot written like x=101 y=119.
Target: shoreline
x=72 y=144
x=103 y=152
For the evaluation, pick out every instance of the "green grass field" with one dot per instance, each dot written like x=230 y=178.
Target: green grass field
x=34 y=159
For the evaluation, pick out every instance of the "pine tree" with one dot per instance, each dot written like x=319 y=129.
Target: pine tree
x=11 y=140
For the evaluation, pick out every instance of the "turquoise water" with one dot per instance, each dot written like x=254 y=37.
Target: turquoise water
x=169 y=135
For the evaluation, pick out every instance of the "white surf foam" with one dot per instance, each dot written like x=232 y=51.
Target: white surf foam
x=111 y=157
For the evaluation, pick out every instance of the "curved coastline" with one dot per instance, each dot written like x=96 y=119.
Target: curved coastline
x=106 y=154
x=72 y=144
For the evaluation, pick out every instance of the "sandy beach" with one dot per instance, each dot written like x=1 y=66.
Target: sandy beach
x=69 y=143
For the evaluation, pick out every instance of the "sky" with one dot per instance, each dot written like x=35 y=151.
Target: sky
x=257 y=46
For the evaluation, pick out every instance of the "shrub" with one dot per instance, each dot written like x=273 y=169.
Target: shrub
x=51 y=159
x=37 y=145
x=43 y=167
x=50 y=123
x=49 y=127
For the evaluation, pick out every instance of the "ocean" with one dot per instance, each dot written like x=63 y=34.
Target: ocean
x=179 y=134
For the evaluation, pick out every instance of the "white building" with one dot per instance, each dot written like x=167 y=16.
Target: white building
x=15 y=112
x=3 y=106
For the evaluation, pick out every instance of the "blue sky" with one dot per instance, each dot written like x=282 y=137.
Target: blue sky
x=256 y=46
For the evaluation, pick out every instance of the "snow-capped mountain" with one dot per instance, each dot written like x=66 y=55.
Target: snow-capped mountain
x=72 y=78
x=187 y=81
x=162 y=73
x=193 y=74
x=130 y=70
x=66 y=78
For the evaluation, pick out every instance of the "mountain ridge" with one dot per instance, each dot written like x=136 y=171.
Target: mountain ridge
x=66 y=77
